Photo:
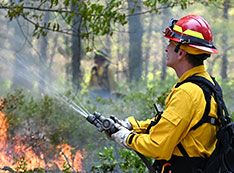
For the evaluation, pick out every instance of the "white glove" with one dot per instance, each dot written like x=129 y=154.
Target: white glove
x=125 y=123
x=121 y=136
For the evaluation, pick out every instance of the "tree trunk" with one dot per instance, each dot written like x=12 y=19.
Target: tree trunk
x=108 y=46
x=44 y=58
x=135 y=41
x=118 y=59
x=76 y=55
x=21 y=75
x=165 y=20
x=226 y=5
x=164 y=66
x=21 y=78
x=148 y=47
x=76 y=59
x=211 y=64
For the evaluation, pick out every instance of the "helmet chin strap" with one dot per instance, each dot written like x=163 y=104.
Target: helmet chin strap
x=178 y=46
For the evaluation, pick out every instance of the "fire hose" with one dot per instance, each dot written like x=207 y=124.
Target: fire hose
x=108 y=125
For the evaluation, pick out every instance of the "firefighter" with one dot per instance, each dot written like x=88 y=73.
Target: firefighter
x=102 y=81
x=190 y=43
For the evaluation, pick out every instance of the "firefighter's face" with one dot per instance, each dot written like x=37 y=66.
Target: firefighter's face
x=98 y=61
x=171 y=58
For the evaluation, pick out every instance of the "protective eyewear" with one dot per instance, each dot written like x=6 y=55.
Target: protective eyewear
x=169 y=30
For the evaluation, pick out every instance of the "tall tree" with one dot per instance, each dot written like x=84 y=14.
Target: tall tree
x=21 y=77
x=44 y=58
x=76 y=58
x=21 y=74
x=135 y=41
x=148 y=47
x=226 y=6
x=165 y=21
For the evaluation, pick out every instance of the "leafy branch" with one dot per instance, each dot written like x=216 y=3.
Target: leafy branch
x=82 y=18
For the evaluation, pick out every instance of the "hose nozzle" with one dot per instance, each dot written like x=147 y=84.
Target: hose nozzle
x=102 y=123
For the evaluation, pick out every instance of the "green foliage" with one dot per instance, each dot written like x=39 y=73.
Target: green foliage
x=108 y=161
x=10 y=103
x=45 y=116
x=91 y=17
x=227 y=87
x=96 y=17
x=128 y=161
x=52 y=122
x=56 y=122
x=131 y=162
x=66 y=168
x=139 y=100
x=21 y=163
x=149 y=98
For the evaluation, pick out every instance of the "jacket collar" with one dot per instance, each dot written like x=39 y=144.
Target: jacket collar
x=193 y=71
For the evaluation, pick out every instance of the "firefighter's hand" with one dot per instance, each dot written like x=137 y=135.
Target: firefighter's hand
x=121 y=136
x=125 y=123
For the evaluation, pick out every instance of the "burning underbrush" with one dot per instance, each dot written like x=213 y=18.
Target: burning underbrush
x=26 y=153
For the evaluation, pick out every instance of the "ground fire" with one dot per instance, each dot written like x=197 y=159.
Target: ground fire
x=15 y=149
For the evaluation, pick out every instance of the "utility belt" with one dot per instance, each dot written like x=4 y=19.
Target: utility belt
x=179 y=164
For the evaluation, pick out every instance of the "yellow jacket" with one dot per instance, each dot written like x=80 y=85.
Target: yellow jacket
x=99 y=82
x=185 y=106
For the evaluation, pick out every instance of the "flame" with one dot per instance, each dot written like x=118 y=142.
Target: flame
x=16 y=147
x=66 y=152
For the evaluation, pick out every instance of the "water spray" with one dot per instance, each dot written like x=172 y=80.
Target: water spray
x=100 y=122
x=80 y=109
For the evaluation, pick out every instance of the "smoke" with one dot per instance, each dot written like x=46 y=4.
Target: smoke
x=22 y=65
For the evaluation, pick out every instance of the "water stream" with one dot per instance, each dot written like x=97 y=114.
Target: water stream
x=33 y=75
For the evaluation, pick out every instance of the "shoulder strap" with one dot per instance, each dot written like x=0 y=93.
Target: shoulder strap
x=107 y=65
x=95 y=70
x=105 y=73
x=222 y=109
x=208 y=90
x=199 y=80
x=105 y=78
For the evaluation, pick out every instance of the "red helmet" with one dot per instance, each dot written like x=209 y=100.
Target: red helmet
x=192 y=31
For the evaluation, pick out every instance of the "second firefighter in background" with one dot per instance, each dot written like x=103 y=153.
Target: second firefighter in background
x=102 y=81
